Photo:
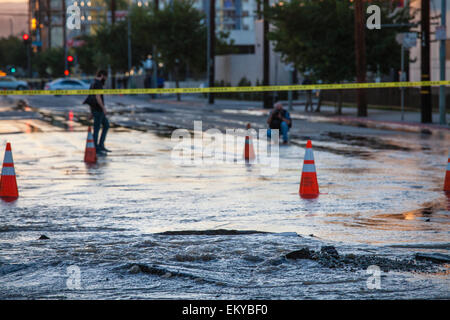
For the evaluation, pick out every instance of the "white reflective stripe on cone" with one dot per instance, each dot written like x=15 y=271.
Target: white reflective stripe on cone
x=448 y=166
x=309 y=154
x=8 y=171
x=8 y=157
x=90 y=145
x=309 y=168
x=90 y=137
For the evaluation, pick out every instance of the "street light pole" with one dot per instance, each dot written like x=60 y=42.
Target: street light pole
x=113 y=12
x=29 y=69
x=442 y=63
x=129 y=37
x=266 y=57
x=360 y=57
x=64 y=34
x=425 y=91
x=155 y=64
x=211 y=46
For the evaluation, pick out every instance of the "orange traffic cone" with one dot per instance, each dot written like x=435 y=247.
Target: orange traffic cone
x=90 y=155
x=8 y=183
x=309 y=188
x=447 y=176
x=249 y=153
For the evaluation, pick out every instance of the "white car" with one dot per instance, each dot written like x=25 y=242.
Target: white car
x=11 y=83
x=67 y=84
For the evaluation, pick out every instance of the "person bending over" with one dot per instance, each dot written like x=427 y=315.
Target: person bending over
x=279 y=119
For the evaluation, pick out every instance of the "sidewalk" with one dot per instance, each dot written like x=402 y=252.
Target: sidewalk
x=377 y=118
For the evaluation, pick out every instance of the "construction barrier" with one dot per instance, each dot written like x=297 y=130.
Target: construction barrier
x=228 y=89
x=249 y=152
x=309 y=188
x=8 y=183
x=90 y=154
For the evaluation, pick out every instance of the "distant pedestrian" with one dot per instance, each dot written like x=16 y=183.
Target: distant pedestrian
x=279 y=119
x=308 y=102
x=319 y=97
x=160 y=82
x=98 y=110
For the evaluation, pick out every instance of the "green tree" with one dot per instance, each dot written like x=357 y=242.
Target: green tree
x=49 y=62
x=178 y=32
x=88 y=55
x=180 y=36
x=318 y=37
x=12 y=52
x=111 y=42
x=109 y=46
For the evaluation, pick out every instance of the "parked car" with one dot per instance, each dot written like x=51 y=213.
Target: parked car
x=11 y=83
x=66 y=84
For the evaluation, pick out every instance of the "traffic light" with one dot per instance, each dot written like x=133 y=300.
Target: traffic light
x=11 y=70
x=33 y=24
x=25 y=37
x=70 y=60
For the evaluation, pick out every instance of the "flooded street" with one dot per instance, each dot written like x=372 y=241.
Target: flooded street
x=137 y=225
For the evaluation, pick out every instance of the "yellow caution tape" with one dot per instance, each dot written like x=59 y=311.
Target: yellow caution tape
x=229 y=89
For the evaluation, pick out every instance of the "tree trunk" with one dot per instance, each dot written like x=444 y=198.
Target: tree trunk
x=177 y=83
x=339 y=108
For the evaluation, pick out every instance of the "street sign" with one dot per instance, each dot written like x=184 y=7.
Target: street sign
x=37 y=43
x=410 y=40
x=407 y=39
x=441 y=33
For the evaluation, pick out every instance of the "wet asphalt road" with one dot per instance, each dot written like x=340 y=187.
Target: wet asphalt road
x=381 y=195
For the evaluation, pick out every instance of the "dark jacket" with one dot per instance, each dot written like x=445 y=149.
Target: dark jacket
x=275 y=122
x=91 y=100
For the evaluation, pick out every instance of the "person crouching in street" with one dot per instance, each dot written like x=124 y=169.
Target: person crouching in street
x=279 y=119
x=98 y=111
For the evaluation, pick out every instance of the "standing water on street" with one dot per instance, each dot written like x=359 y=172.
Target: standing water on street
x=137 y=225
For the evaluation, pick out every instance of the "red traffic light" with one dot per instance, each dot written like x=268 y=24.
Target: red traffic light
x=69 y=58
x=25 y=37
x=66 y=72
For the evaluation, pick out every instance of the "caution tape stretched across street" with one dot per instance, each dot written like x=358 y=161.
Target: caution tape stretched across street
x=229 y=89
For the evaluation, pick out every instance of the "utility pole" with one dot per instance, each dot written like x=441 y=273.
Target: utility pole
x=154 y=51
x=360 y=50
x=49 y=25
x=113 y=21
x=64 y=27
x=442 y=62
x=211 y=47
x=425 y=91
x=266 y=58
x=113 y=12
x=129 y=36
x=29 y=67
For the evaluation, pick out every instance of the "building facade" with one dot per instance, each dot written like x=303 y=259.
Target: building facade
x=236 y=17
x=414 y=66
